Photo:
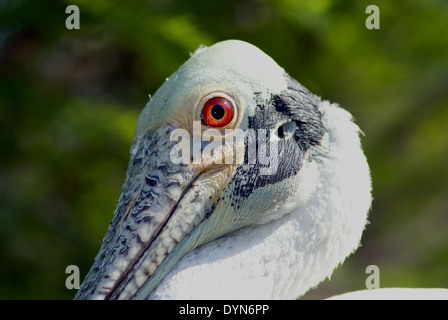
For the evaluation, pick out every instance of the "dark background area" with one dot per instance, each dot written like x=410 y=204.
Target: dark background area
x=69 y=102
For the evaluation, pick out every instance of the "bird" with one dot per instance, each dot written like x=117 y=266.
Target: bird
x=241 y=184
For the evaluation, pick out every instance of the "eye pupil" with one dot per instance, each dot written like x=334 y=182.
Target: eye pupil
x=218 y=112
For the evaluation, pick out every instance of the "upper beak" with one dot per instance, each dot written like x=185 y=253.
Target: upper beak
x=155 y=222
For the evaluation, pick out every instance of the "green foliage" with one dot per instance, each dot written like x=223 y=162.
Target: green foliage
x=69 y=102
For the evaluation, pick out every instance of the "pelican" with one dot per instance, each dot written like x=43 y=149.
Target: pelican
x=266 y=216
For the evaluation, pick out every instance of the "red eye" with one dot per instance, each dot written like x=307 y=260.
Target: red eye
x=217 y=112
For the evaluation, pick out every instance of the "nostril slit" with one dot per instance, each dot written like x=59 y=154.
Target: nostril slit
x=280 y=132
x=286 y=130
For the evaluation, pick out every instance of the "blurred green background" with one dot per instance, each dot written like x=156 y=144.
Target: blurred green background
x=69 y=101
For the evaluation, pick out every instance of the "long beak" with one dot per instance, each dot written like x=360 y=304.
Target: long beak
x=159 y=206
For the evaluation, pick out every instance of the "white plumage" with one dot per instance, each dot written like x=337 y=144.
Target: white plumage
x=248 y=236
x=395 y=294
x=286 y=257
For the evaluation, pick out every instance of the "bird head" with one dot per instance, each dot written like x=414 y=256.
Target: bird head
x=233 y=160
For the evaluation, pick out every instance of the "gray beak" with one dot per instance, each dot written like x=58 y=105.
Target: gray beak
x=160 y=204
